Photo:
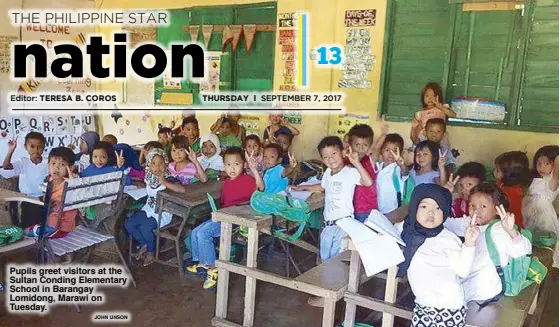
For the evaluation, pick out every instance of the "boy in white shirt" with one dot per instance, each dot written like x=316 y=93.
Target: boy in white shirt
x=32 y=172
x=435 y=259
x=392 y=173
x=338 y=183
x=486 y=202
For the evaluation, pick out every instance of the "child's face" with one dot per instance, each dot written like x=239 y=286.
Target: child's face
x=360 y=145
x=332 y=158
x=386 y=154
x=270 y=158
x=233 y=165
x=99 y=158
x=84 y=147
x=544 y=166
x=208 y=149
x=435 y=132
x=58 y=168
x=424 y=157
x=35 y=148
x=465 y=186
x=429 y=214
x=284 y=141
x=163 y=139
x=190 y=131
x=253 y=147
x=225 y=129
x=498 y=174
x=178 y=154
x=430 y=98
x=275 y=119
x=157 y=165
x=483 y=206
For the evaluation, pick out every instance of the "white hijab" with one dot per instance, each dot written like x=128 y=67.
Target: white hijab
x=215 y=162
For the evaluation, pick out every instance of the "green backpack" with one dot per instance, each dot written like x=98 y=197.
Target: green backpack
x=10 y=234
x=520 y=272
x=404 y=196
x=292 y=209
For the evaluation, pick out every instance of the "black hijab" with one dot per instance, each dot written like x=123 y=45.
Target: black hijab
x=413 y=233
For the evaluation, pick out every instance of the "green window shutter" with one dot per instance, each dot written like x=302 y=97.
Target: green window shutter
x=165 y=36
x=254 y=70
x=417 y=53
x=539 y=91
x=484 y=56
x=225 y=72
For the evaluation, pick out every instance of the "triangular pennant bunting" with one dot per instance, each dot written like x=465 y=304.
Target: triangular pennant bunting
x=237 y=31
x=249 y=34
x=207 y=33
x=227 y=37
x=193 y=31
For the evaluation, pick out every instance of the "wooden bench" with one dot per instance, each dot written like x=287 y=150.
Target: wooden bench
x=255 y=222
x=508 y=312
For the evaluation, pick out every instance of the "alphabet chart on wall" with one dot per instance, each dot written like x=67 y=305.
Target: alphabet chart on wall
x=58 y=130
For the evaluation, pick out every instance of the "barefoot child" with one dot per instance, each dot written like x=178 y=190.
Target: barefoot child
x=141 y=225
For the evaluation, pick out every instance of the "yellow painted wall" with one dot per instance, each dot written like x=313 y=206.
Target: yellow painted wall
x=327 y=27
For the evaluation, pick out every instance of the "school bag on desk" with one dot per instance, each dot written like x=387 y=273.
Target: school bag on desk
x=520 y=272
x=295 y=210
x=10 y=234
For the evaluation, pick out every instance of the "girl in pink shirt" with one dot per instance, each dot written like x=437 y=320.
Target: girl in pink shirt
x=432 y=107
x=185 y=166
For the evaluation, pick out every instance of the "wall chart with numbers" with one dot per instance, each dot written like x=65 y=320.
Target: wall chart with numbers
x=58 y=130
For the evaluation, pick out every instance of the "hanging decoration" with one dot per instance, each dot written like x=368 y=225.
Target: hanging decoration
x=207 y=34
x=237 y=31
x=249 y=32
x=193 y=31
x=230 y=33
x=227 y=37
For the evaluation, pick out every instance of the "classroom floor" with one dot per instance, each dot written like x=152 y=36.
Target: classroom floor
x=163 y=299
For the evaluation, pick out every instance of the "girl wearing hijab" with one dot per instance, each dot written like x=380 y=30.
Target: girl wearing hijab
x=435 y=259
x=87 y=142
x=142 y=223
x=210 y=160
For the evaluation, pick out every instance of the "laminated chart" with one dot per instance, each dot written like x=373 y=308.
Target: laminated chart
x=479 y=109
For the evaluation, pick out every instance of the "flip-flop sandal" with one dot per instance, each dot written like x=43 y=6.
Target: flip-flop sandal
x=147 y=264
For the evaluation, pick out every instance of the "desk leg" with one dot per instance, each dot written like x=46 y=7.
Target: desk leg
x=251 y=283
x=390 y=295
x=328 y=313
x=223 y=274
x=353 y=284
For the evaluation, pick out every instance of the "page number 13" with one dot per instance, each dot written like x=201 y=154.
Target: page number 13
x=335 y=54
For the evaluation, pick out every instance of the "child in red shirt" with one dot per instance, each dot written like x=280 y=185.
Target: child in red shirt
x=511 y=170
x=237 y=190
x=469 y=175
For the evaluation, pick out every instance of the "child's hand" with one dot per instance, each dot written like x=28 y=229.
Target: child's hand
x=297 y=188
x=353 y=157
x=71 y=146
x=71 y=174
x=398 y=158
x=191 y=154
x=472 y=232
x=508 y=221
x=12 y=144
x=384 y=126
x=450 y=185
x=120 y=159
x=441 y=161
x=293 y=160
x=251 y=160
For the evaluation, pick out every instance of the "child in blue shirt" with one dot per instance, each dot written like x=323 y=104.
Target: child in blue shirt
x=275 y=175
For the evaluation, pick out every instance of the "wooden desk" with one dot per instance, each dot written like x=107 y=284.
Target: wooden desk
x=191 y=204
x=255 y=222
